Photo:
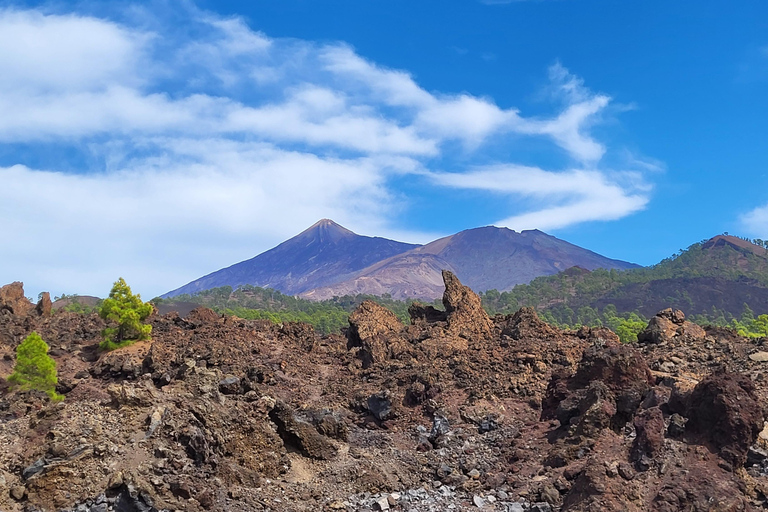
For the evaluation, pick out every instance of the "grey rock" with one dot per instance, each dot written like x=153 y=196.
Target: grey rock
x=380 y=405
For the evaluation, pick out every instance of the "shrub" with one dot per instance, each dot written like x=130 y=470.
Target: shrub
x=35 y=369
x=127 y=311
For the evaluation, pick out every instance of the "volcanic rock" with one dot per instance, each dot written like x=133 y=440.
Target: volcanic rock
x=726 y=412
x=44 y=305
x=466 y=316
x=12 y=299
x=668 y=324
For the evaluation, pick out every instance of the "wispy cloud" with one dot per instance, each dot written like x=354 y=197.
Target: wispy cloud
x=188 y=150
x=755 y=221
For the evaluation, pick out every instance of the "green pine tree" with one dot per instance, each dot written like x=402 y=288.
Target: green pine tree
x=127 y=311
x=35 y=369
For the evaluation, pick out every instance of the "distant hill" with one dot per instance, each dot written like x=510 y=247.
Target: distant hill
x=323 y=254
x=713 y=279
x=483 y=258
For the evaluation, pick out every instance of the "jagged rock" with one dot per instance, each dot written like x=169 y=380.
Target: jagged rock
x=300 y=434
x=676 y=426
x=376 y=330
x=44 y=305
x=380 y=405
x=525 y=323
x=624 y=379
x=724 y=409
x=466 y=316
x=12 y=299
x=371 y=319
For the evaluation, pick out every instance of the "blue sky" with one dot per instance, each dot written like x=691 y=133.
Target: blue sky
x=161 y=141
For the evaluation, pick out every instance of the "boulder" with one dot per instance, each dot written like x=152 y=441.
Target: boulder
x=300 y=434
x=12 y=299
x=724 y=409
x=669 y=324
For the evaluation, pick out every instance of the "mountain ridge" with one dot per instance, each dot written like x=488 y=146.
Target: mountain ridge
x=327 y=259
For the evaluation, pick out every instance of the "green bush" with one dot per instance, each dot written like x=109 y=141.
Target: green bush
x=35 y=369
x=127 y=311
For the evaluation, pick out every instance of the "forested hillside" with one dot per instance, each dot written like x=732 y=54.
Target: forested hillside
x=715 y=282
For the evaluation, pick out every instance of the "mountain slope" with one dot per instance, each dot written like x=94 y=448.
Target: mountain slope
x=715 y=277
x=483 y=258
x=323 y=254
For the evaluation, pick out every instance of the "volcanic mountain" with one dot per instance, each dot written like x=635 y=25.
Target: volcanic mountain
x=484 y=258
x=327 y=260
x=321 y=255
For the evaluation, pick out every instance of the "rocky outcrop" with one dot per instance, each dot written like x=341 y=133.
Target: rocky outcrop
x=377 y=331
x=12 y=299
x=670 y=324
x=44 y=305
x=466 y=316
x=219 y=413
x=371 y=319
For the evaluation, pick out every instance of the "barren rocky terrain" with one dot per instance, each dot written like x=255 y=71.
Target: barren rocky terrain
x=456 y=411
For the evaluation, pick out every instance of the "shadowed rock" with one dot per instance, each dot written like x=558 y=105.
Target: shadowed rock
x=725 y=410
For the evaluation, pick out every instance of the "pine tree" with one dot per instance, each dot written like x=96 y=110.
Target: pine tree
x=127 y=311
x=35 y=369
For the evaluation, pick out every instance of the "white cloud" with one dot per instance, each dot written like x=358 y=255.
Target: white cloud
x=565 y=198
x=43 y=53
x=756 y=221
x=210 y=144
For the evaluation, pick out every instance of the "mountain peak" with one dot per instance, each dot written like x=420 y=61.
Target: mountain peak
x=734 y=241
x=327 y=229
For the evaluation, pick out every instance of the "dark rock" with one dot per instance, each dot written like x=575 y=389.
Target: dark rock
x=757 y=456
x=725 y=410
x=525 y=323
x=231 y=386
x=37 y=467
x=380 y=405
x=424 y=313
x=649 y=426
x=676 y=426
x=487 y=424
x=201 y=316
x=300 y=434
x=440 y=427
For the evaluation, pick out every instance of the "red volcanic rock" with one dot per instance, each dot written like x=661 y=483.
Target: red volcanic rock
x=12 y=299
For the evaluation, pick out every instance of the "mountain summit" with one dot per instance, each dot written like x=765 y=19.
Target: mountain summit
x=323 y=254
x=327 y=259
